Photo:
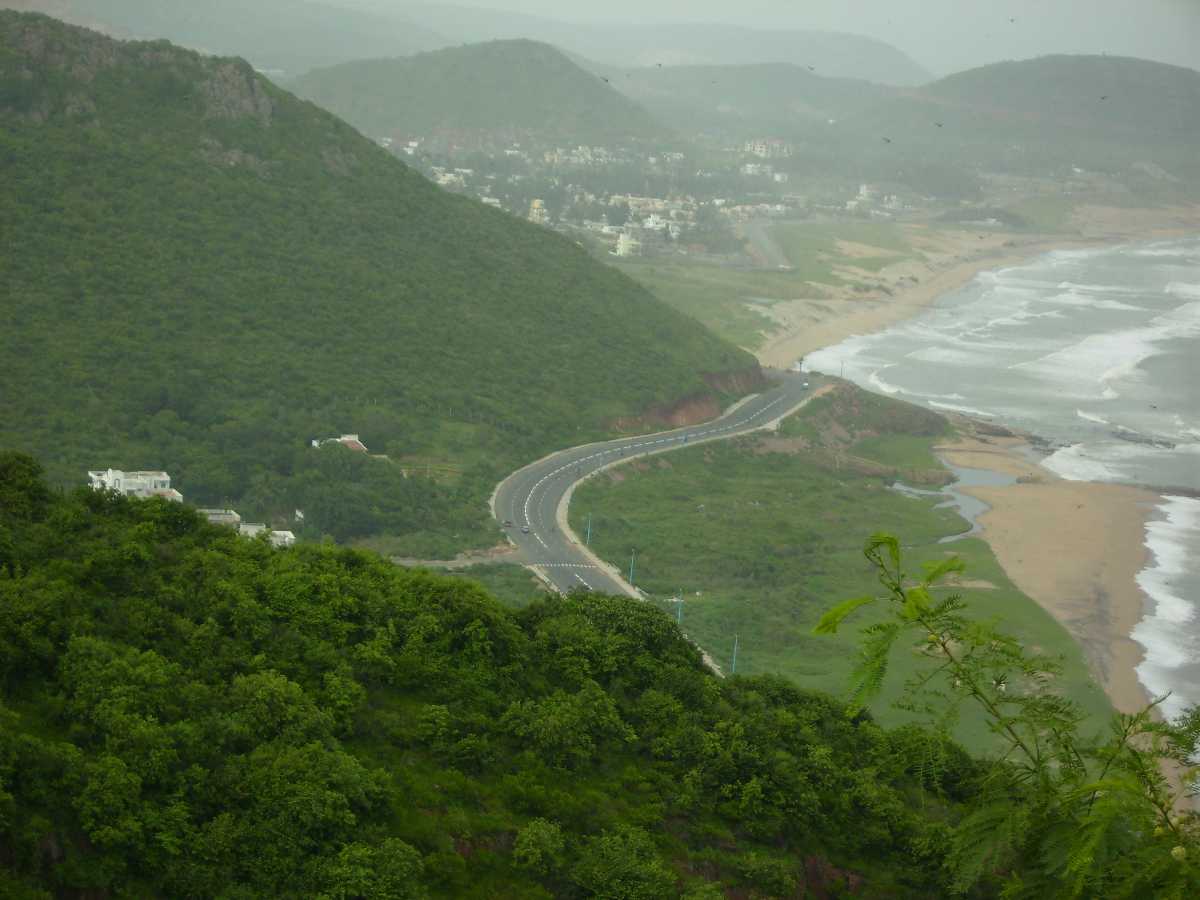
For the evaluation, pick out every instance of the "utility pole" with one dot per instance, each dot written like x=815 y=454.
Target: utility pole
x=632 y=560
x=587 y=541
x=735 y=648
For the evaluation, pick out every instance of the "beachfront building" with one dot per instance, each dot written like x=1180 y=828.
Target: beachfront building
x=135 y=484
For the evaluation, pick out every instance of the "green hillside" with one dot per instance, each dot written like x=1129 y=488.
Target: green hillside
x=202 y=273
x=514 y=87
x=288 y=36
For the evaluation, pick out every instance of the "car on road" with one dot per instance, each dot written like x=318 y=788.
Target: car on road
x=508 y=523
x=524 y=529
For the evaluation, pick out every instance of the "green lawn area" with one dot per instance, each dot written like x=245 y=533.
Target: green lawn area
x=761 y=544
x=813 y=252
x=514 y=586
x=719 y=296
x=1050 y=214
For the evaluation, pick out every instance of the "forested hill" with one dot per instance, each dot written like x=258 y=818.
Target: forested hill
x=284 y=36
x=186 y=713
x=506 y=88
x=201 y=273
x=1042 y=116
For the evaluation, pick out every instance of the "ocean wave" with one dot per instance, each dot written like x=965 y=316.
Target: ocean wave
x=1086 y=462
x=1173 y=539
x=1076 y=298
x=965 y=410
x=1100 y=359
x=879 y=384
x=1100 y=420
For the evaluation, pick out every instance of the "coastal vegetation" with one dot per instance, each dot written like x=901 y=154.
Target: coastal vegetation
x=757 y=534
x=202 y=274
x=190 y=713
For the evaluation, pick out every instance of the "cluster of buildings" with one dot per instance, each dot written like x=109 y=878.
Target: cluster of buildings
x=873 y=202
x=768 y=148
x=158 y=484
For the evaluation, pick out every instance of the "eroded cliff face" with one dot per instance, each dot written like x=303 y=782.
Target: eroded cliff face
x=696 y=408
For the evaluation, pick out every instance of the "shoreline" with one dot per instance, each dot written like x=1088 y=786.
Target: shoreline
x=812 y=324
x=1075 y=548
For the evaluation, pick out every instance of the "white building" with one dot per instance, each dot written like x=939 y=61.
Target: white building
x=282 y=538
x=228 y=517
x=538 y=214
x=135 y=484
x=628 y=245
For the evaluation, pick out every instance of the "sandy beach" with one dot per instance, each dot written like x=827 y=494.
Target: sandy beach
x=1075 y=548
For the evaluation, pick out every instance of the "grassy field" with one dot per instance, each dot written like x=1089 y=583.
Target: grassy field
x=761 y=543
x=813 y=252
x=512 y=585
x=720 y=297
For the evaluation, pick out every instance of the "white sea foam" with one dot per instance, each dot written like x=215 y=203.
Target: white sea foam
x=881 y=385
x=1075 y=463
x=1183 y=289
x=945 y=356
x=965 y=410
x=1092 y=418
x=1099 y=359
x=1173 y=540
x=1079 y=298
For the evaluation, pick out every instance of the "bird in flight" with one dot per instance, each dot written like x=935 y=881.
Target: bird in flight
x=887 y=140
x=938 y=124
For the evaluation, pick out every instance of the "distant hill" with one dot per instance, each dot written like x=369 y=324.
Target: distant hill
x=511 y=87
x=281 y=36
x=779 y=97
x=201 y=273
x=1096 y=111
x=836 y=55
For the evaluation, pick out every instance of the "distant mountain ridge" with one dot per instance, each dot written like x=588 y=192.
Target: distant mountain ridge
x=202 y=273
x=834 y=54
x=283 y=36
x=501 y=87
x=776 y=97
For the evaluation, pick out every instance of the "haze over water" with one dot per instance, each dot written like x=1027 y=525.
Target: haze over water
x=1097 y=351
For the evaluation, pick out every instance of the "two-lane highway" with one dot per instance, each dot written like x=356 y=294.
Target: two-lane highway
x=533 y=498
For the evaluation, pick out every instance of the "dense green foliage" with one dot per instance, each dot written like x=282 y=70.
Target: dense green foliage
x=1064 y=816
x=759 y=533
x=188 y=713
x=288 y=35
x=202 y=273
x=505 y=88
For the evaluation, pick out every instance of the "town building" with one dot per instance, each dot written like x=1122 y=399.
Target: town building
x=628 y=245
x=538 y=214
x=135 y=484
x=227 y=517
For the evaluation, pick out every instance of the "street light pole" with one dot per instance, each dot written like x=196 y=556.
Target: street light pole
x=735 y=649
x=588 y=540
x=632 y=560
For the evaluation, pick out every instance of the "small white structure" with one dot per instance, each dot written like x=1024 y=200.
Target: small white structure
x=282 y=538
x=251 y=529
x=538 y=214
x=227 y=517
x=349 y=441
x=628 y=245
x=135 y=484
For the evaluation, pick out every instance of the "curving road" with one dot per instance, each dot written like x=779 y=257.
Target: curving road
x=531 y=503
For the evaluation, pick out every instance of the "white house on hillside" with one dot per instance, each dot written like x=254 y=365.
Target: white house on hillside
x=135 y=484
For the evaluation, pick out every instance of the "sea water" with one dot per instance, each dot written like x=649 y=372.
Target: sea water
x=1098 y=352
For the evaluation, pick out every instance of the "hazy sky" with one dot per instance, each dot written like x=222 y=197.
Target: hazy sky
x=944 y=35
